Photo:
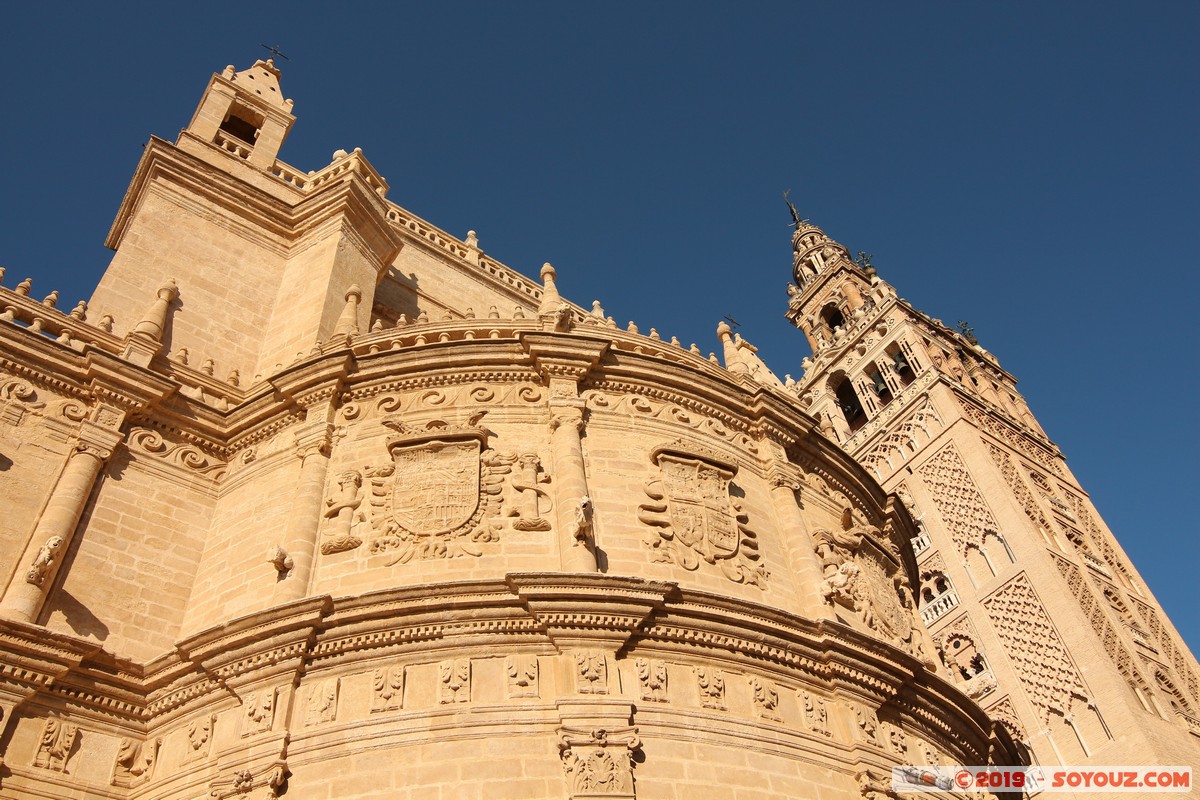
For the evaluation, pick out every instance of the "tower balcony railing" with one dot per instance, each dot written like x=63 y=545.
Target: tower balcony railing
x=920 y=543
x=939 y=606
x=1192 y=722
x=232 y=144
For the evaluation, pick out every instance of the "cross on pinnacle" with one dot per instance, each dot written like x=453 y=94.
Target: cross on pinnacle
x=275 y=52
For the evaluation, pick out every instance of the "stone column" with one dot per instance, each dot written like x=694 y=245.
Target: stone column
x=56 y=527
x=574 y=505
x=300 y=541
x=853 y=297
x=563 y=362
x=799 y=545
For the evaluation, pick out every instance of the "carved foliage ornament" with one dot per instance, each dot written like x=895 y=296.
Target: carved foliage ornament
x=443 y=495
x=389 y=688
x=135 y=762
x=652 y=676
x=56 y=745
x=694 y=518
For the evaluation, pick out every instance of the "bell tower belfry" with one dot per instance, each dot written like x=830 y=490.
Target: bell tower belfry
x=1033 y=605
x=245 y=111
x=279 y=260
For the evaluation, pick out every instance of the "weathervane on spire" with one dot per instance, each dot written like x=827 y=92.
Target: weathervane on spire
x=796 y=221
x=274 y=51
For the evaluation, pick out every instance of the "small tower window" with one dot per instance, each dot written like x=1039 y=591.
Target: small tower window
x=901 y=365
x=850 y=406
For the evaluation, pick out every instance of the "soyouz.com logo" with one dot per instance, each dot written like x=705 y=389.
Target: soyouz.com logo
x=1041 y=779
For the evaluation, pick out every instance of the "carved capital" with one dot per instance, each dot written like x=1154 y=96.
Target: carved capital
x=571 y=417
x=313 y=440
x=97 y=440
x=599 y=762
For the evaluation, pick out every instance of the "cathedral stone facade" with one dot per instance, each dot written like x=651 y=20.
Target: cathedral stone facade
x=314 y=498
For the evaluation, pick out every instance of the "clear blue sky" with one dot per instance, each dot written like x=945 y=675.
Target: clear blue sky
x=1029 y=167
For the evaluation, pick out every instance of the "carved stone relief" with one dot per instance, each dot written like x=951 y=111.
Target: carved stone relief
x=443 y=495
x=816 y=715
x=860 y=577
x=694 y=518
x=868 y=724
x=199 y=736
x=711 y=683
x=388 y=684
x=322 y=702
x=56 y=745
x=652 y=678
x=1042 y=661
x=344 y=517
x=135 y=761
x=454 y=681
x=958 y=500
x=895 y=738
x=259 y=712
x=43 y=561
x=591 y=673
x=532 y=503
x=522 y=673
x=765 y=695
x=599 y=763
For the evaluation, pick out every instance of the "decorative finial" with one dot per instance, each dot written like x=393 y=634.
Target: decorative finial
x=154 y=323
x=347 y=324
x=552 y=311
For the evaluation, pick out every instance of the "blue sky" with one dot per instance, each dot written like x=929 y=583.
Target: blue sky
x=1029 y=167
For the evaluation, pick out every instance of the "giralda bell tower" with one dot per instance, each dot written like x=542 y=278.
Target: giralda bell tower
x=1033 y=604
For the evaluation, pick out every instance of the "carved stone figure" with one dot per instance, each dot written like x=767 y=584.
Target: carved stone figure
x=455 y=681
x=694 y=518
x=342 y=511
x=43 y=561
x=389 y=688
x=56 y=744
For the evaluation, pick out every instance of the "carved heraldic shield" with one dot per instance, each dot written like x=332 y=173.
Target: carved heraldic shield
x=695 y=518
x=435 y=499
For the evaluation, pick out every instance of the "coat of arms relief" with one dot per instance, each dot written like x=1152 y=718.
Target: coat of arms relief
x=444 y=494
x=861 y=577
x=694 y=517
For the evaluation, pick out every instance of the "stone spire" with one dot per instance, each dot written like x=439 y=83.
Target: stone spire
x=812 y=251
